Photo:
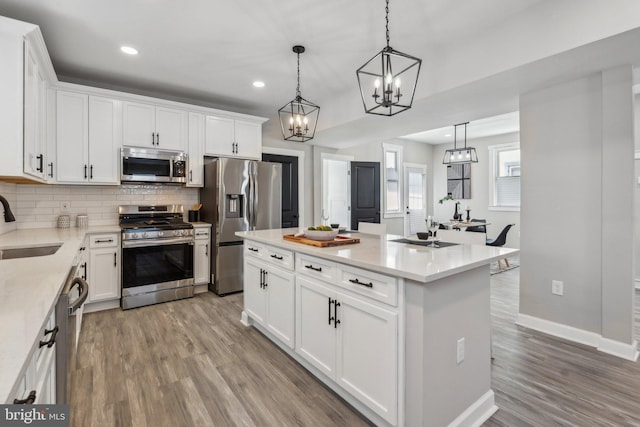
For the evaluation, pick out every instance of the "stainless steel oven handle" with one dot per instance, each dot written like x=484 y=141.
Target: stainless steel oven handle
x=157 y=242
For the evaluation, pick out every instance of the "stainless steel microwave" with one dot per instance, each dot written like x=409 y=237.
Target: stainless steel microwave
x=147 y=165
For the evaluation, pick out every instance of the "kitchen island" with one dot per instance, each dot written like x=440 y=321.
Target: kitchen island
x=402 y=332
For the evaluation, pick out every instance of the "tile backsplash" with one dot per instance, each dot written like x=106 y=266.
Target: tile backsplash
x=38 y=206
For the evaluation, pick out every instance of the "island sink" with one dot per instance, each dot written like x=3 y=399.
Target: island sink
x=28 y=252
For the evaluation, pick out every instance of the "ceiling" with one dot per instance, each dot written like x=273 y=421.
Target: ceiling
x=209 y=53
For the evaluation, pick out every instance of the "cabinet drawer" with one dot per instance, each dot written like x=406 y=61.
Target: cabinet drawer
x=103 y=241
x=316 y=267
x=254 y=249
x=280 y=257
x=202 y=233
x=376 y=286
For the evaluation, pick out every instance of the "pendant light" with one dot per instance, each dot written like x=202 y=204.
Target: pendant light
x=455 y=155
x=388 y=80
x=299 y=118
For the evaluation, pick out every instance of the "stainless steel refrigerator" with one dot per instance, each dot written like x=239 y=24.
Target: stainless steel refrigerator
x=238 y=195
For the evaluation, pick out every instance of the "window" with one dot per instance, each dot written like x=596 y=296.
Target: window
x=504 y=186
x=392 y=157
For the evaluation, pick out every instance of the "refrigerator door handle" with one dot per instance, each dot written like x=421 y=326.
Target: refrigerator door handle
x=252 y=196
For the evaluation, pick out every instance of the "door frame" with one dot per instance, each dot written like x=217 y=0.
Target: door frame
x=340 y=157
x=300 y=155
x=405 y=191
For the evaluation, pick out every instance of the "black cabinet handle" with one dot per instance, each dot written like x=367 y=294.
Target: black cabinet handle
x=158 y=139
x=358 y=282
x=52 y=340
x=265 y=279
x=85 y=171
x=40 y=159
x=261 y=279
x=28 y=401
x=330 y=316
x=91 y=172
x=336 y=304
x=253 y=249
x=311 y=267
x=190 y=176
x=84 y=269
x=115 y=259
x=51 y=169
x=153 y=138
x=104 y=241
x=206 y=249
x=279 y=258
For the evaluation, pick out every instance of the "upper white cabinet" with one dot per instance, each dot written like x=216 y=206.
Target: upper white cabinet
x=195 y=176
x=89 y=137
x=151 y=126
x=25 y=74
x=233 y=138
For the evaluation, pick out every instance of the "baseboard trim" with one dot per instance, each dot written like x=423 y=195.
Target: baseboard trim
x=244 y=319
x=620 y=349
x=570 y=333
x=479 y=412
x=101 y=305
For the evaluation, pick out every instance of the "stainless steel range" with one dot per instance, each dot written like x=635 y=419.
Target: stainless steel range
x=157 y=254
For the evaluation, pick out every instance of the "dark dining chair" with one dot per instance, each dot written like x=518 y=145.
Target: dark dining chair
x=500 y=241
x=477 y=228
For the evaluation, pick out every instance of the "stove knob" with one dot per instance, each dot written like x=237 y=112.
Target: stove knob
x=176 y=232
x=185 y=233
x=144 y=235
x=134 y=236
x=160 y=233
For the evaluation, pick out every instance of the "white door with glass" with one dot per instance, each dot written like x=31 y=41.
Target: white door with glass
x=415 y=198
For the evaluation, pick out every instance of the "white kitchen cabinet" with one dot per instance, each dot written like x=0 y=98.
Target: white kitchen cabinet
x=352 y=341
x=201 y=254
x=104 y=267
x=233 y=138
x=88 y=134
x=269 y=298
x=196 y=150
x=151 y=126
x=35 y=118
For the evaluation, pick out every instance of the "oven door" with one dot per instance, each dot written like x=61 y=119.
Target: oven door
x=155 y=265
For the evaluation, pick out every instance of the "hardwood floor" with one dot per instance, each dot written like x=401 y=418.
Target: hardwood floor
x=191 y=363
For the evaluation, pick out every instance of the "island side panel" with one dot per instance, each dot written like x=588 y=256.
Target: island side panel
x=440 y=391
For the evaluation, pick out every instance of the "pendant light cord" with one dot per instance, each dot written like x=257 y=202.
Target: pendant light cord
x=298 y=87
x=387 y=19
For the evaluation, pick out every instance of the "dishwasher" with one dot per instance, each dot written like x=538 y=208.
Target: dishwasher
x=69 y=318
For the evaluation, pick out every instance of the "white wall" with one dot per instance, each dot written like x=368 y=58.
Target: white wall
x=38 y=206
x=480 y=187
x=577 y=204
x=9 y=192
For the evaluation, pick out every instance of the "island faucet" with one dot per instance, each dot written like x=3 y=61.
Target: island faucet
x=8 y=215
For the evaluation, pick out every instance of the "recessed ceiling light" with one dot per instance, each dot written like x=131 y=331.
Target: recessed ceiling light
x=447 y=135
x=258 y=83
x=129 y=50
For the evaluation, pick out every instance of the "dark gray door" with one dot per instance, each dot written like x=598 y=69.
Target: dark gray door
x=290 y=209
x=365 y=193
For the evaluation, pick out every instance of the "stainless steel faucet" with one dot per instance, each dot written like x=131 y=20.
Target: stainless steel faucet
x=8 y=215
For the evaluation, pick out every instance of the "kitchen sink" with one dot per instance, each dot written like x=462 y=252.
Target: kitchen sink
x=32 y=251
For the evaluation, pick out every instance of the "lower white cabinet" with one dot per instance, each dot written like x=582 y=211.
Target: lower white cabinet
x=201 y=254
x=269 y=298
x=352 y=341
x=104 y=267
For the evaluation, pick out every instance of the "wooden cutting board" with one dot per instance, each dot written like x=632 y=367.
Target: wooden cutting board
x=339 y=240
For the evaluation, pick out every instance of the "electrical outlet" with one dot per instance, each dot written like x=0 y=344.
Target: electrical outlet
x=557 y=287
x=460 y=351
x=64 y=206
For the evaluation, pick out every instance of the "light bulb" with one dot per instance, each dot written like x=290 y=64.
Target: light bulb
x=376 y=84
x=468 y=154
x=398 y=82
x=306 y=120
x=298 y=119
x=291 y=120
x=388 y=79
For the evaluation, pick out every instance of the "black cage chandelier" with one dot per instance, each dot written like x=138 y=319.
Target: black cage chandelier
x=299 y=118
x=455 y=155
x=382 y=77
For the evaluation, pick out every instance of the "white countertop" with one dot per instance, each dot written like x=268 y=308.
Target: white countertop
x=29 y=288
x=414 y=262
